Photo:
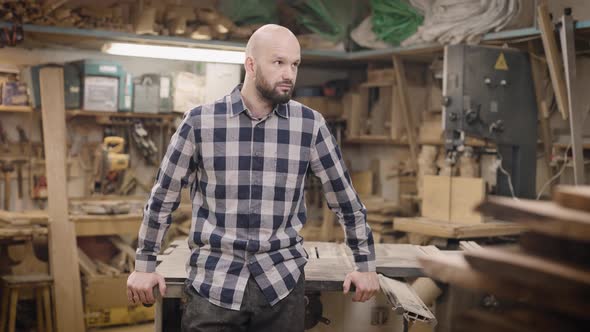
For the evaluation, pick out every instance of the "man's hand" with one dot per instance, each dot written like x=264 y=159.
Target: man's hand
x=140 y=287
x=366 y=284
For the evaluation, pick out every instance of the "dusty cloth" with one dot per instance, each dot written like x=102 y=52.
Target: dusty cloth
x=457 y=21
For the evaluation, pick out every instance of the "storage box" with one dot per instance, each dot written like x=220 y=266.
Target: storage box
x=103 y=292
x=381 y=75
x=330 y=107
x=188 y=91
x=72 y=85
x=14 y=93
x=126 y=93
x=152 y=94
x=106 y=86
x=101 y=94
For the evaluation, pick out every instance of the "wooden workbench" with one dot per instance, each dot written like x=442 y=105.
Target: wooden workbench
x=325 y=270
x=85 y=224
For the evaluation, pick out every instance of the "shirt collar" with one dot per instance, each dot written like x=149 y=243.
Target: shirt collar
x=238 y=106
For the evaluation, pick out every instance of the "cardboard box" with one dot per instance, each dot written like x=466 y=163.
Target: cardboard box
x=329 y=107
x=119 y=316
x=381 y=75
x=103 y=292
x=452 y=199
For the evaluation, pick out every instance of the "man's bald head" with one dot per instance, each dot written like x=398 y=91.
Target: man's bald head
x=267 y=35
x=273 y=55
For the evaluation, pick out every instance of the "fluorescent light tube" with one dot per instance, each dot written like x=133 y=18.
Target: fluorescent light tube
x=174 y=53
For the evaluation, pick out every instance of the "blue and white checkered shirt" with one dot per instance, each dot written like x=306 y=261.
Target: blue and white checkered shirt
x=246 y=180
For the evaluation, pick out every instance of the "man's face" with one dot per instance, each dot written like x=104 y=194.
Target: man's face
x=276 y=73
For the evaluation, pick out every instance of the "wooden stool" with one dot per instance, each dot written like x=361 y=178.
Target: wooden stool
x=41 y=284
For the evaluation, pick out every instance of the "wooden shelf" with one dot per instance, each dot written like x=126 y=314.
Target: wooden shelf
x=101 y=36
x=16 y=109
x=80 y=113
x=378 y=140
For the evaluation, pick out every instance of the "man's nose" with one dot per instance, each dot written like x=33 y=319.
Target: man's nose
x=289 y=74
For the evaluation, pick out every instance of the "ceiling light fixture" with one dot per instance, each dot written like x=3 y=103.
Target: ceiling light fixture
x=174 y=53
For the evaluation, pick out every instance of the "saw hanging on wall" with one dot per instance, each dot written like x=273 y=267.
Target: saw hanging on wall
x=110 y=165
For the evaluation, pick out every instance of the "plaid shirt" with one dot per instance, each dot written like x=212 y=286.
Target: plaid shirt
x=246 y=180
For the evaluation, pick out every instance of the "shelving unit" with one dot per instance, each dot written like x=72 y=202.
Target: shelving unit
x=16 y=109
x=94 y=39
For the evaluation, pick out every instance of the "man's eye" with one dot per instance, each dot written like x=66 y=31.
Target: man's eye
x=278 y=62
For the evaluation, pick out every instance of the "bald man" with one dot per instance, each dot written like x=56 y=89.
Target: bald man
x=245 y=158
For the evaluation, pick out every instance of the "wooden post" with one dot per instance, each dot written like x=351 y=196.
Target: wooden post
x=404 y=102
x=63 y=253
x=568 y=50
x=536 y=68
x=551 y=53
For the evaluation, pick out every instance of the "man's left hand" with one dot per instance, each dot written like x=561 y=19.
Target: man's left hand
x=366 y=284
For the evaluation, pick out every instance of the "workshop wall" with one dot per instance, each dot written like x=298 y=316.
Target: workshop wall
x=220 y=79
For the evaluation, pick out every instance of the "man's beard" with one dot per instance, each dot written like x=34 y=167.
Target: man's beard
x=268 y=92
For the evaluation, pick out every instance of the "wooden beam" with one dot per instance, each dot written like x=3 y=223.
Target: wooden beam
x=536 y=69
x=404 y=103
x=568 y=50
x=552 y=55
x=63 y=251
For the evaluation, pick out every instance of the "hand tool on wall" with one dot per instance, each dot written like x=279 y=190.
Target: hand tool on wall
x=7 y=168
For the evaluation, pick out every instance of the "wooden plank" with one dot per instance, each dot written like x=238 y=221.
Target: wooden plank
x=358 y=113
x=536 y=271
x=429 y=227
x=517 y=319
x=454 y=269
x=466 y=194
x=362 y=182
x=552 y=56
x=96 y=228
x=87 y=266
x=544 y=217
x=404 y=300
x=536 y=69
x=436 y=197
x=555 y=248
x=407 y=116
x=573 y=197
x=576 y=110
x=400 y=260
x=63 y=251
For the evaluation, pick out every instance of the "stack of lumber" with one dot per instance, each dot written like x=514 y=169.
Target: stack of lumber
x=122 y=262
x=178 y=18
x=380 y=214
x=544 y=283
x=18 y=225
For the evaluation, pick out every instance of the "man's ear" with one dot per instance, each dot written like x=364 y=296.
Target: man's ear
x=249 y=66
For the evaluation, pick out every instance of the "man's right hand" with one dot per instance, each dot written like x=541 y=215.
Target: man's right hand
x=140 y=287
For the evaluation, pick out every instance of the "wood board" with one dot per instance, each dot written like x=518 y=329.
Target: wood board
x=454 y=269
x=435 y=228
x=535 y=271
x=573 y=197
x=543 y=217
x=63 y=251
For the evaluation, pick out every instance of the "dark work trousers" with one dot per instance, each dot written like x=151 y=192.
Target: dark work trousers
x=255 y=314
